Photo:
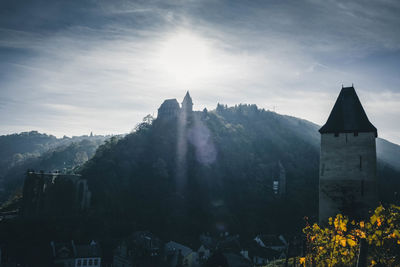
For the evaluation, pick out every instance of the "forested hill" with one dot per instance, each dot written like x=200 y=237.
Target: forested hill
x=33 y=150
x=15 y=148
x=212 y=173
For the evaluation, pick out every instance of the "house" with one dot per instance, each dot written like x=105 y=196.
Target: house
x=203 y=254
x=179 y=255
x=265 y=248
x=142 y=248
x=229 y=243
x=69 y=254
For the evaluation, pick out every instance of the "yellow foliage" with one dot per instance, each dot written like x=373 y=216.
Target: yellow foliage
x=337 y=244
x=396 y=233
x=379 y=222
x=351 y=242
x=373 y=219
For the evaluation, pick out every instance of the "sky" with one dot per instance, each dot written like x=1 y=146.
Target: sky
x=80 y=66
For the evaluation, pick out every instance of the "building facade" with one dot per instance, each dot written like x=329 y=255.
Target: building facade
x=347 y=175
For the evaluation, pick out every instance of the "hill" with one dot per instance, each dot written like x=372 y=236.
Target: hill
x=213 y=173
x=33 y=150
x=15 y=148
x=388 y=153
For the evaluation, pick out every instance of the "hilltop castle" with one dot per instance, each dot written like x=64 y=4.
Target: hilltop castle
x=170 y=107
x=347 y=178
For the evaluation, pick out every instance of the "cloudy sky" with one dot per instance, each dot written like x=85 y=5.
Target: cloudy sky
x=71 y=67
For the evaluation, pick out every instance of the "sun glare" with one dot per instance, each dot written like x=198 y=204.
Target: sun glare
x=186 y=57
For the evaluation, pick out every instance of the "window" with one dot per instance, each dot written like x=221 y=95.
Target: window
x=84 y=262
x=90 y=262
x=275 y=187
x=79 y=262
x=96 y=261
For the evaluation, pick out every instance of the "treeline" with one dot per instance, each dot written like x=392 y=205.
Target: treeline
x=212 y=173
x=33 y=150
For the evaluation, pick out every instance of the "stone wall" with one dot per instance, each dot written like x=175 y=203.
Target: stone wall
x=347 y=181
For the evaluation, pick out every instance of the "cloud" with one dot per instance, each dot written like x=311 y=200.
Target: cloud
x=96 y=64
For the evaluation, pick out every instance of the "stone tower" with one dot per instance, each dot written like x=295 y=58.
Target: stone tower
x=187 y=103
x=347 y=178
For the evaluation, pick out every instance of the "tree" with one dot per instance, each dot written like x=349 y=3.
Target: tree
x=338 y=244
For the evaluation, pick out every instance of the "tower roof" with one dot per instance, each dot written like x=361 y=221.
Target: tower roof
x=348 y=115
x=187 y=99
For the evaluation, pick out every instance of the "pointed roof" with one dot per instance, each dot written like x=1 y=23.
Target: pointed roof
x=187 y=99
x=348 y=115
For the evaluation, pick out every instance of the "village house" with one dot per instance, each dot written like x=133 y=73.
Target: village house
x=70 y=254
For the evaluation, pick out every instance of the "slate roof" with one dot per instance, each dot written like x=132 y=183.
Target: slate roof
x=348 y=115
x=170 y=103
x=271 y=241
x=187 y=99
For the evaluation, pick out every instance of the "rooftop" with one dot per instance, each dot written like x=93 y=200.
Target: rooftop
x=348 y=115
x=170 y=103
